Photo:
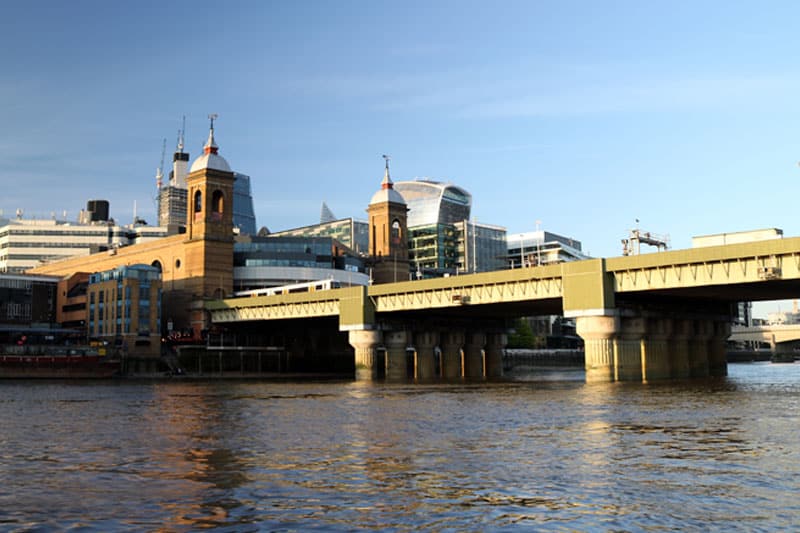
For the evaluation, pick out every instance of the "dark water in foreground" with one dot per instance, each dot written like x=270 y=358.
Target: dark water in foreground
x=548 y=453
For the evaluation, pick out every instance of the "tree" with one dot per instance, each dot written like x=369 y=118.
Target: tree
x=523 y=336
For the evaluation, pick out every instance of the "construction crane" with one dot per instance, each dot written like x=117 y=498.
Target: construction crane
x=160 y=171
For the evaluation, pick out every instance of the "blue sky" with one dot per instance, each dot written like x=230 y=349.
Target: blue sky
x=583 y=115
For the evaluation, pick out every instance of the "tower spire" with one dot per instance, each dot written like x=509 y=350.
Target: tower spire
x=387 y=181
x=211 y=145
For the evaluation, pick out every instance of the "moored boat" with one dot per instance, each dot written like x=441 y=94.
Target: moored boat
x=782 y=357
x=56 y=362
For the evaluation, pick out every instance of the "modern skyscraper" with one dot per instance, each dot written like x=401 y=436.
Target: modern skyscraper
x=172 y=196
x=244 y=216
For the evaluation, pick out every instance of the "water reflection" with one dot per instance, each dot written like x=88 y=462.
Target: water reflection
x=532 y=453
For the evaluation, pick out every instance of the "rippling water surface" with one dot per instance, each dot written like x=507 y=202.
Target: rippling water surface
x=543 y=452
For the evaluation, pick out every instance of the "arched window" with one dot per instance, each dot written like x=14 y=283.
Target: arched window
x=157 y=264
x=217 y=205
x=396 y=233
x=198 y=202
x=218 y=202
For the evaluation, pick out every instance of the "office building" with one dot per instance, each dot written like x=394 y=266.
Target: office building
x=540 y=248
x=244 y=216
x=350 y=232
x=431 y=202
x=271 y=261
x=442 y=239
x=28 y=243
x=480 y=247
x=125 y=309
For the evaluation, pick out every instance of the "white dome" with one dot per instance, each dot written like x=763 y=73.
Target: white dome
x=212 y=161
x=387 y=195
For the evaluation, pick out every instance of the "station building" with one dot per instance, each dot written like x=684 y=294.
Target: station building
x=194 y=265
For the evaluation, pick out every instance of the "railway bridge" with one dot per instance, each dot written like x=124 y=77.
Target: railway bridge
x=644 y=317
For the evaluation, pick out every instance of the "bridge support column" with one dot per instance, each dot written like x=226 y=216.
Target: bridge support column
x=396 y=343
x=698 y=348
x=655 y=349
x=365 y=342
x=682 y=331
x=452 y=341
x=628 y=349
x=425 y=354
x=495 y=343
x=598 y=334
x=473 y=354
x=717 y=359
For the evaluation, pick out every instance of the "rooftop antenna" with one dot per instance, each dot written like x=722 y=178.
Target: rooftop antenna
x=160 y=171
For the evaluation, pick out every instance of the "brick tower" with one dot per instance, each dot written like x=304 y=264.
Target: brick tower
x=388 y=238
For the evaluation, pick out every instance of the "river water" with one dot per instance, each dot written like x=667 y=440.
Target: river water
x=541 y=451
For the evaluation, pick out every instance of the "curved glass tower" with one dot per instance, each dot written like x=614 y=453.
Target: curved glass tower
x=432 y=202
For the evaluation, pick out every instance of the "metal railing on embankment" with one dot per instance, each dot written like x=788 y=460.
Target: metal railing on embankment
x=546 y=357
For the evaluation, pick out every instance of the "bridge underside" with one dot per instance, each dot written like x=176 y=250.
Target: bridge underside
x=732 y=293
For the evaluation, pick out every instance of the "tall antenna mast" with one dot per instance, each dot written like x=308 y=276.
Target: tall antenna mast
x=160 y=171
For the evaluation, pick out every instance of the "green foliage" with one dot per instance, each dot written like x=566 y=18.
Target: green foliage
x=523 y=336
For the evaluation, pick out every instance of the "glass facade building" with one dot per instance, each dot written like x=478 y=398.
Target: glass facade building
x=272 y=261
x=27 y=301
x=481 y=247
x=441 y=238
x=431 y=202
x=351 y=232
x=244 y=216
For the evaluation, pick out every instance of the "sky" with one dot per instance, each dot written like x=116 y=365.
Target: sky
x=583 y=115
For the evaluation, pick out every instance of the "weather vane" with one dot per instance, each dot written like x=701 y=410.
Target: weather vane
x=387 y=158
x=213 y=117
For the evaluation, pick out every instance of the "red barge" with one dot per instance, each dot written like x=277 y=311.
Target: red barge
x=58 y=363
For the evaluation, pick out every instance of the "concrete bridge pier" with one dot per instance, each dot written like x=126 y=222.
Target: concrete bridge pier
x=451 y=344
x=698 y=348
x=425 y=343
x=598 y=333
x=495 y=343
x=628 y=349
x=717 y=360
x=655 y=349
x=473 y=354
x=682 y=331
x=396 y=357
x=365 y=342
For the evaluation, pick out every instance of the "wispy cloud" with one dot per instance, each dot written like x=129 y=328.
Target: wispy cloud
x=737 y=93
x=569 y=90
